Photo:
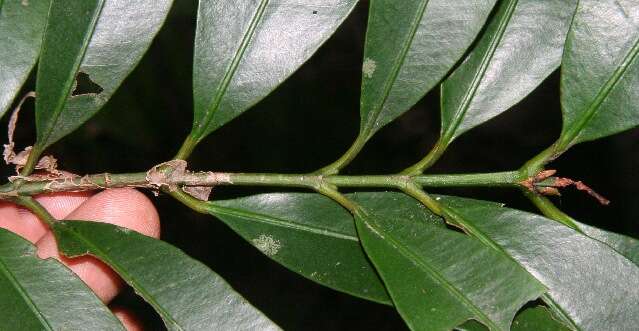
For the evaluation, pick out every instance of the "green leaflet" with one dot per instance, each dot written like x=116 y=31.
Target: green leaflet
x=537 y=319
x=405 y=56
x=530 y=319
x=122 y=35
x=589 y=284
x=21 y=29
x=244 y=50
x=105 y=52
x=69 y=28
x=600 y=71
x=521 y=46
x=184 y=292
x=438 y=278
x=625 y=245
x=309 y=234
x=33 y=290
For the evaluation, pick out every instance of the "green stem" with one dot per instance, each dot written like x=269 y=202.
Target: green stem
x=189 y=201
x=140 y=180
x=32 y=161
x=344 y=160
x=416 y=192
x=36 y=208
x=537 y=163
x=187 y=148
x=332 y=193
x=430 y=159
x=550 y=210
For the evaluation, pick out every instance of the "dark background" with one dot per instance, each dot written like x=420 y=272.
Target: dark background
x=305 y=124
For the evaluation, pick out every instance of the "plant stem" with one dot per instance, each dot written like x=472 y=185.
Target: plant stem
x=32 y=161
x=537 y=163
x=428 y=160
x=36 y=208
x=416 y=192
x=344 y=160
x=140 y=180
x=187 y=148
x=189 y=201
x=550 y=210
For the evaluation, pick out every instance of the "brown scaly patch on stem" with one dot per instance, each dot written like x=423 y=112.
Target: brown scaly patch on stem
x=47 y=163
x=535 y=184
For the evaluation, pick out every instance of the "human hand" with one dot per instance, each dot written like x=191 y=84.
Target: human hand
x=123 y=207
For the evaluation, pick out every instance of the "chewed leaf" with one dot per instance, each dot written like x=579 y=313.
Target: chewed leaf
x=70 y=26
x=590 y=285
x=122 y=34
x=438 y=278
x=32 y=290
x=184 y=292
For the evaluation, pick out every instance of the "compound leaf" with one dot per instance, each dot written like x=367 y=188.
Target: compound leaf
x=600 y=71
x=21 y=28
x=309 y=234
x=89 y=45
x=438 y=278
x=184 y=292
x=43 y=294
x=590 y=285
x=244 y=50
x=521 y=46
x=410 y=46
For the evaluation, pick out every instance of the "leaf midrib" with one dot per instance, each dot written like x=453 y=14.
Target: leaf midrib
x=436 y=275
x=368 y=127
x=129 y=278
x=571 y=134
x=449 y=133
x=279 y=222
x=43 y=141
x=231 y=70
x=23 y=293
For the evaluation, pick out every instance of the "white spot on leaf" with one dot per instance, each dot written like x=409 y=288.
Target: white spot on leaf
x=369 y=67
x=267 y=245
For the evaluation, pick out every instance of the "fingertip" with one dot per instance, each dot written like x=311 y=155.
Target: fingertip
x=98 y=276
x=123 y=207
x=130 y=321
x=21 y=221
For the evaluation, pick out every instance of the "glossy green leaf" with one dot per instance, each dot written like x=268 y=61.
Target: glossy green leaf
x=410 y=46
x=309 y=234
x=69 y=28
x=245 y=49
x=537 y=319
x=123 y=33
x=530 y=319
x=21 y=28
x=43 y=294
x=184 y=292
x=625 y=245
x=589 y=284
x=600 y=71
x=438 y=278
x=521 y=46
